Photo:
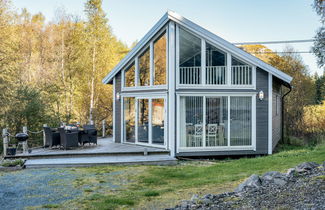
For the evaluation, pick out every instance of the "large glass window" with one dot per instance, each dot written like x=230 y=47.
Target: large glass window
x=143 y=120
x=129 y=119
x=144 y=68
x=240 y=121
x=160 y=60
x=157 y=121
x=189 y=58
x=215 y=66
x=209 y=117
x=129 y=76
x=191 y=108
x=216 y=117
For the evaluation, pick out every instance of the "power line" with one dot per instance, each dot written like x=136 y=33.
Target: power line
x=275 y=42
x=303 y=52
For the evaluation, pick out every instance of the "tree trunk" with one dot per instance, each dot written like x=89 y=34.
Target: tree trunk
x=92 y=88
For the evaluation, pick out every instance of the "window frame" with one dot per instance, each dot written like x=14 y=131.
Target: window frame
x=203 y=84
x=218 y=148
x=128 y=66
x=149 y=96
x=135 y=60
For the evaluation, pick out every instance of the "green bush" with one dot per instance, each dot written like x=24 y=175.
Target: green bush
x=12 y=163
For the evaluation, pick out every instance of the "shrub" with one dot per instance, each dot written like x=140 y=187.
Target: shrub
x=12 y=163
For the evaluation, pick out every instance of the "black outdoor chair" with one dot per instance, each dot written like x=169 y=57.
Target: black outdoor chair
x=52 y=138
x=89 y=135
x=68 y=139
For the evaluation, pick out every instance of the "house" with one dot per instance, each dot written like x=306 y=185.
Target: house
x=189 y=91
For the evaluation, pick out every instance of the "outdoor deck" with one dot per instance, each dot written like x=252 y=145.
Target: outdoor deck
x=105 y=147
x=106 y=152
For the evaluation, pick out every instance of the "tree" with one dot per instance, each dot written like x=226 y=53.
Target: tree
x=52 y=71
x=303 y=91
x=104 y=52
x=319 y=88
x=9 y=57
x=319 y=46
x=319 y=7
x=319 y=43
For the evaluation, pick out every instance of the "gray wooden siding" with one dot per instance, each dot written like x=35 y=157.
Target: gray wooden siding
x=276 y=116
x=261 y=118
x=262 y=78
x=117 y=110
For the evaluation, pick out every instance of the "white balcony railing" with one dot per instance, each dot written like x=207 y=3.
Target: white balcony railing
x=241 y=75
x=190 y=75
x=215 y=75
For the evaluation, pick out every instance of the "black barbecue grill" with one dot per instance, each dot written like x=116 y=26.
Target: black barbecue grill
x=21 y=137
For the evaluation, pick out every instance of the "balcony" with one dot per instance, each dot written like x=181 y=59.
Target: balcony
x=216 y=75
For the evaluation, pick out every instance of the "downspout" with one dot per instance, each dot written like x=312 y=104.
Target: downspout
x=282 y=104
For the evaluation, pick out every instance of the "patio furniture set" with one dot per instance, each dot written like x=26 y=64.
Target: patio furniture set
x=70 y=136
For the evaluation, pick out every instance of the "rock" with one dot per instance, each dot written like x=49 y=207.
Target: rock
x=291 y=172
x=253 y=181
x=301 y=191
x=184 y=204
x=306 y=166
x=280 y=182
x=206 y=201
x=208 y=196
x=274 y=177
x=194 y=198
x=269 y=176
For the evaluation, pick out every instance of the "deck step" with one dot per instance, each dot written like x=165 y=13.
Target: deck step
x=70 y=154
x=101 y=160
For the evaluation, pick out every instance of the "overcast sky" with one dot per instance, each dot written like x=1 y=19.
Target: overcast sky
x=233 y=20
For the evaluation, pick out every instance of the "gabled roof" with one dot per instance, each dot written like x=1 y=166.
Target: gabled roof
x=212 y=38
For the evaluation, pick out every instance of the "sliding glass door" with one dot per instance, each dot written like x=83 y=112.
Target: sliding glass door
x=205 y=121
x=191 y=114
x=158 y=120
x=216 y=121
x=144 y=120
x=240 y=121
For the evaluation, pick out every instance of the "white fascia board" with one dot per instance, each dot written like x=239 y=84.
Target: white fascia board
x=227 y=45
x=137 y=48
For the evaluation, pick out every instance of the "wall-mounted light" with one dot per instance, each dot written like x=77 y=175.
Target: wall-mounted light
x=261 y=95
x=118 y=96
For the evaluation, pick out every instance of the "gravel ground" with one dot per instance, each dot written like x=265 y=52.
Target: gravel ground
x=38 y=187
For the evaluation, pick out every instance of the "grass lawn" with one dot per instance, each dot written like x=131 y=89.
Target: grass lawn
x=164 y=186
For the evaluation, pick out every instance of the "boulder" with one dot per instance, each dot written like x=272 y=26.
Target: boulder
x=184 y=205
x=253 y=181
x=274 y=177
x=291 y=172
x=207 y=201
x=306 y=166
x=208 y=196
x=194 y=198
